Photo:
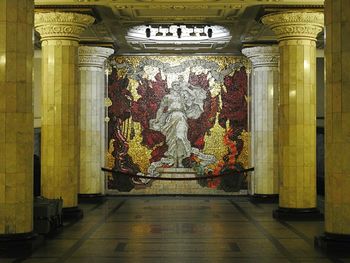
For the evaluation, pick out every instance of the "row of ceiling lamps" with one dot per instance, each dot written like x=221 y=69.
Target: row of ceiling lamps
x=179 y=31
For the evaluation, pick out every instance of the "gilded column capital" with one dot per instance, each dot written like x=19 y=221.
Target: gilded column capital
x=262 y=56
x=93 y=56
x=295 y=24
x=61 y=26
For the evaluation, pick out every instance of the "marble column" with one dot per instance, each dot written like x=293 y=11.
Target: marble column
x=337 y=127
x=16 y=125
x=60 y=105
x=92 y=87
x=296 y=32
x=265 y=93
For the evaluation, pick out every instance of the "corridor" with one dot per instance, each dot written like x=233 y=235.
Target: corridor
x=181 y=229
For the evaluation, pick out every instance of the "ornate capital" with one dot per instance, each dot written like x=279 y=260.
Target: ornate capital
x=295 y=25
x=56 y=25
x=262 y=56
x=93 y=56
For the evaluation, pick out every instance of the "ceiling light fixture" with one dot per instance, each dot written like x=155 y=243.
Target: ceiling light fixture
x=178 y=36
x=159 y=34
x=179 y=32
x=193 y=34
x=148 y=32
x=169 y=34
x=210 y=32
x=202 y=34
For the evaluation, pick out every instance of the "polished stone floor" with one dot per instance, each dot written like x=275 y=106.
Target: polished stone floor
x=181 y=229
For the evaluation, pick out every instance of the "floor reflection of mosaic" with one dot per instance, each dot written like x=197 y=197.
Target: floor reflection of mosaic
x=182 y=229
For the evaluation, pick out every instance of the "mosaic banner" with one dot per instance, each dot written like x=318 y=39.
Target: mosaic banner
x=176 y=116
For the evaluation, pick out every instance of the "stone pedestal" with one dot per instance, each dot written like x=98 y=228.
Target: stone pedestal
x=60 y=103
x=16 y=128
x=337 y=128
x=91 y=117
x=265 y=94
x=296 y=32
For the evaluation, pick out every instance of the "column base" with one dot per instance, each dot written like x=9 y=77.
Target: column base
x=297 y=214
x=19 y=245
x=91 y=198
x=72 y=213
x=333 y=243
x=264 y=198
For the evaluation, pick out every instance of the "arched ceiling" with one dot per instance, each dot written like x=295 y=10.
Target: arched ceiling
x=115 y=17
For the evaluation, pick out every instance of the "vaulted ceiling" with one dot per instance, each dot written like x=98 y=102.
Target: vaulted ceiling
x=115 y=17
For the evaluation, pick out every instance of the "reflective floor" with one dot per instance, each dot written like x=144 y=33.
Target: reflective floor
x=181 y=229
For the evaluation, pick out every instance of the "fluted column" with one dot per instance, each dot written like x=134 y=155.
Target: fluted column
x=337 y=127
x=296 y=32
x=265 y=92
x=16 y=124
x=92 y=86
x=60 y=103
